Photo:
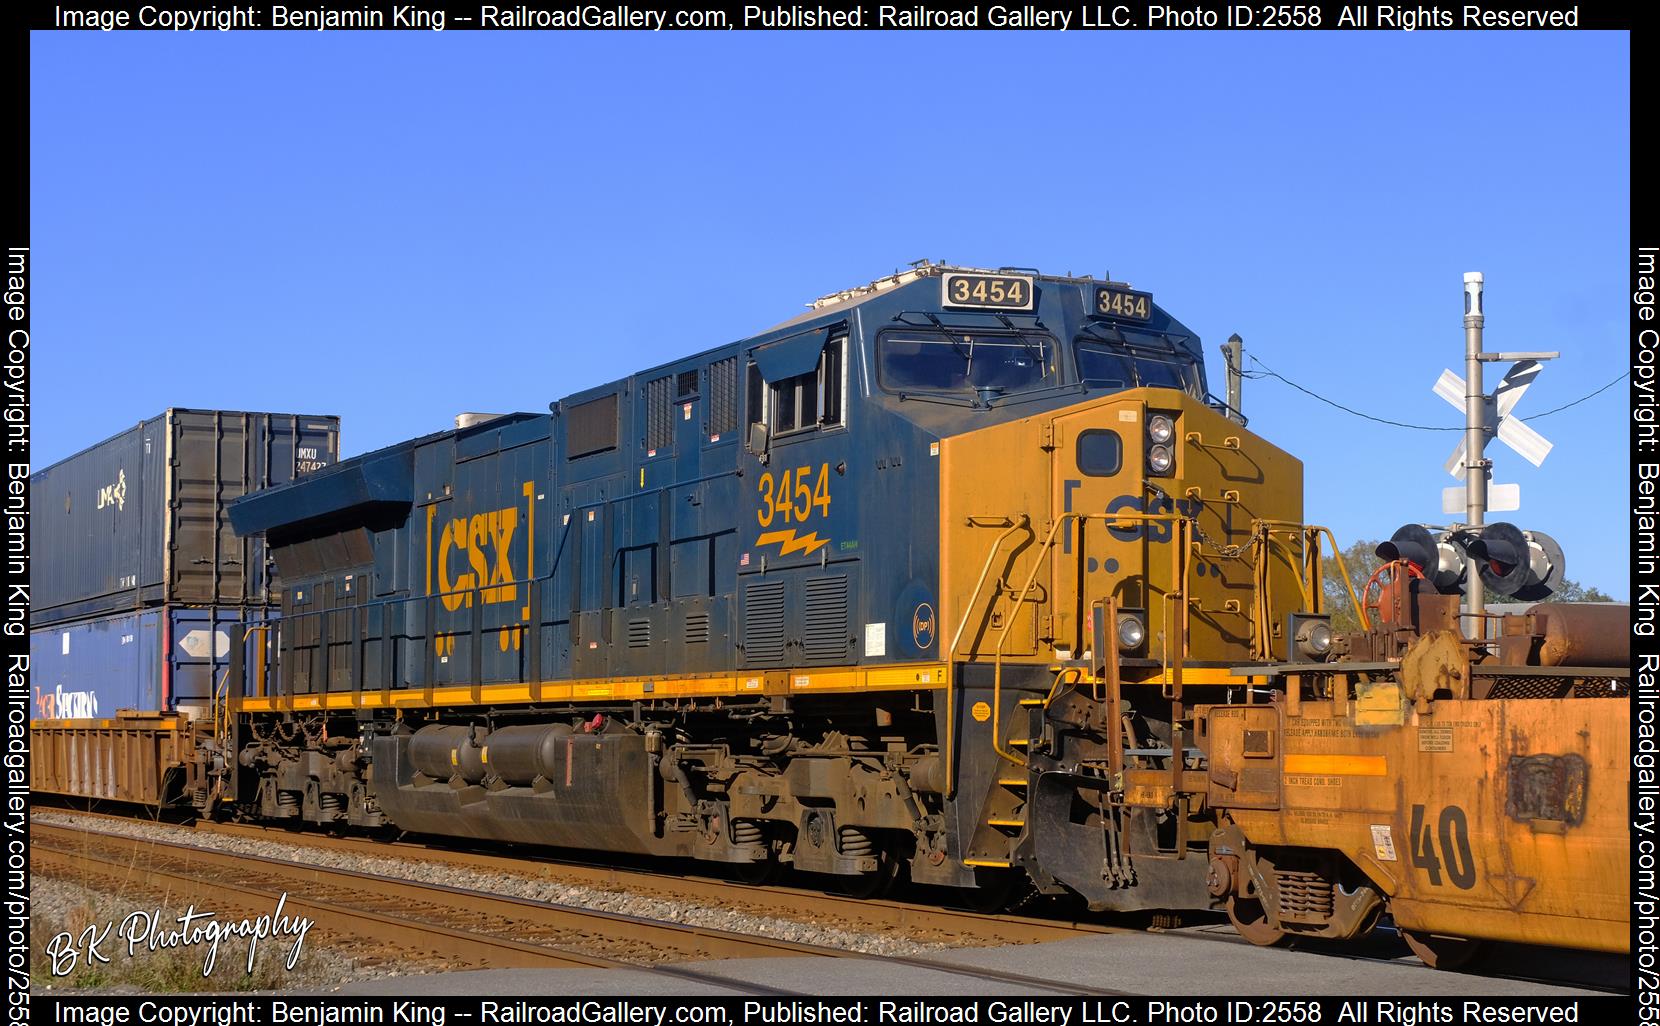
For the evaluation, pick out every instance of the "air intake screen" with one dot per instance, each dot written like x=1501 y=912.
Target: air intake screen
x=591 y=427
x=659 y=415
x=723 y=396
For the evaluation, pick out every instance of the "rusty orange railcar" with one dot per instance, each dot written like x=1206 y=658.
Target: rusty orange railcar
x=1470 y=792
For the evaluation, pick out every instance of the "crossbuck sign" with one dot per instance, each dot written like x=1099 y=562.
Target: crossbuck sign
x=1511 y=430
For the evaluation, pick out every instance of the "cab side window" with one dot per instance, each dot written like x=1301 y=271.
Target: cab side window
x=809 y=400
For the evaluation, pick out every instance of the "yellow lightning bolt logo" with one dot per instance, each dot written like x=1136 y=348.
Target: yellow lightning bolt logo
x=807 y=543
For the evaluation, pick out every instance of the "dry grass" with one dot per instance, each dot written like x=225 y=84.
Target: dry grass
x=73 y=908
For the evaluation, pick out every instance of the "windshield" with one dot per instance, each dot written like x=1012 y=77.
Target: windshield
x=1134 y=360
x=957 y=362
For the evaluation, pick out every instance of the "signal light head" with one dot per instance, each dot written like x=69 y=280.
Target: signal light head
x=1524 y=565
x=1440 y=561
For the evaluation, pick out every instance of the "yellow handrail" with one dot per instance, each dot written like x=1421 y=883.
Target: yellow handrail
x=221 y=699
x=1348 y=582
x=1310 y=583
x=1025 y=589
x=1021 y=521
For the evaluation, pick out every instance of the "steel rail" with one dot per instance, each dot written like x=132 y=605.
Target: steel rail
x=927 y=921
x=703 y=942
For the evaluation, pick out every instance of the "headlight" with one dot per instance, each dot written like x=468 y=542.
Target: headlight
x=1131 y=632
x=1319 y=639
x=1314 y=639
x=1160 y=428
x=1160 y=459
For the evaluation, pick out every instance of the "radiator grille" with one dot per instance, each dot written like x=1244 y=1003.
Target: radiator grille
x=824 y=619
x=764 y=623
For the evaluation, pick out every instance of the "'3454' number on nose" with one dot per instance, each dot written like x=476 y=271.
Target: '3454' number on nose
x=794 y=495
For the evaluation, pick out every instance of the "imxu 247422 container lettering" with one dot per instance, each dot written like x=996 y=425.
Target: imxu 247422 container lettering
x=138 y=520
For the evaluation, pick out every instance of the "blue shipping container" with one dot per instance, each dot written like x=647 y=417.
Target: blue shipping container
x=98 y=667
x=138 y=520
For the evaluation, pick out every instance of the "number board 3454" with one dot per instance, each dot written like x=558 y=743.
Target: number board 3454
x=1123 y=304
x=987 y=291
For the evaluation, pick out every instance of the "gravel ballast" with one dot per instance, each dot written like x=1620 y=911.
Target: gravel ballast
x=496 y=882
x=61 y=912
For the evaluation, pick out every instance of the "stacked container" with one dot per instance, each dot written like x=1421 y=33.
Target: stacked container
x=138 y=579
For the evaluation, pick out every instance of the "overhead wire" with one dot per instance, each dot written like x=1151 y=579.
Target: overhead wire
x=1269 y=372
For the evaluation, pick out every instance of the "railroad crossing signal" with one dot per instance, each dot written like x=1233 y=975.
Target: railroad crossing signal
x=1511 y=430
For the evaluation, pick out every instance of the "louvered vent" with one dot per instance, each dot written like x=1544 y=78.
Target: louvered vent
x=685 y=384
x=723 y=396
x=764 y=623
x=639 y=634
x=824 y=619
x=697 y=628
x=659 y=414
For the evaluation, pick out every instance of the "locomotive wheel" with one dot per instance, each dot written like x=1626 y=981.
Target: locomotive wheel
x=757 y=873
x=993 y=890
x=869 y=885
x=1250 y=919
x=1442 y=952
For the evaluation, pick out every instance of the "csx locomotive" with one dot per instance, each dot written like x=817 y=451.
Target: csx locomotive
x=960 y=575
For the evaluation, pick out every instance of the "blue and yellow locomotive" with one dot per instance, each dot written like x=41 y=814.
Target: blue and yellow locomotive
x=925 y=579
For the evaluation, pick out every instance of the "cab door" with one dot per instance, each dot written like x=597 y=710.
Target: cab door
x=1097 y=466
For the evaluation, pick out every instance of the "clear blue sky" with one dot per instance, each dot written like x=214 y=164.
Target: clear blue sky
x=396 y=228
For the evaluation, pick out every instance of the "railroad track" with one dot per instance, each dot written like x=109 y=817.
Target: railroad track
x=459 y=925
x=913 y=919
x=923 y=922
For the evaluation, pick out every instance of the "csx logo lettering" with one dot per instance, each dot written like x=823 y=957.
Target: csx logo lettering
x=1158 y=531
x=483 y=543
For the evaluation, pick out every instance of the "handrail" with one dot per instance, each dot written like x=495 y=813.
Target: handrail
x=1348 y=582
x=220 y=700
x=1021 y=522
x=1025 y=589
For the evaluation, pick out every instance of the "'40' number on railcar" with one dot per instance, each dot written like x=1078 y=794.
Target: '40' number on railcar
x=1453 y=833
x=791 y=498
